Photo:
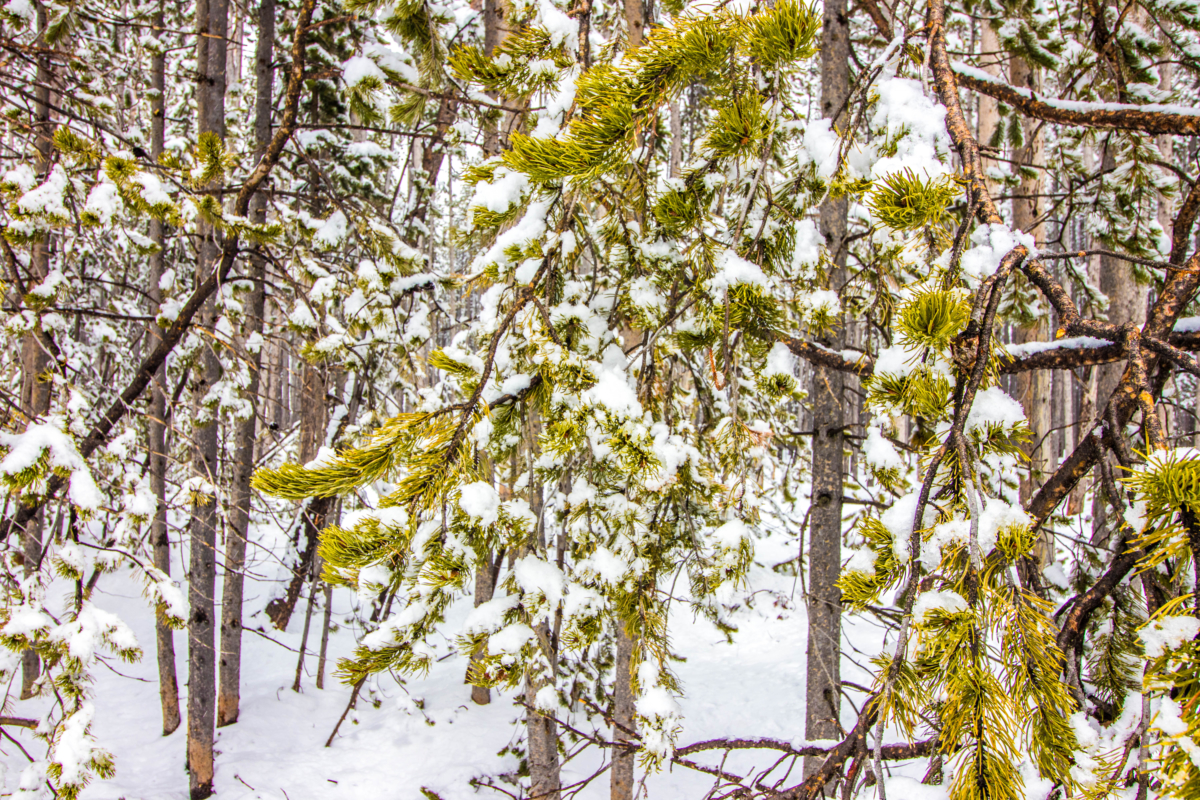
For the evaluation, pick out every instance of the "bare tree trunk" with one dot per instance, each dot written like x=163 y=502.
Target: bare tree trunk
x=1033 y=388
x=495 y=31
x=544 y=780
x=1126 y=303
x=624 y=720
x=485 y=587
x=325 y=623
x=35 y=358
x=635 y=22
x=824 y=681
x=312 y=598
x=544 y=769
x=676 y=163
x=212 y=24
x=989 y=108
x=229 y=691
x=160 y=541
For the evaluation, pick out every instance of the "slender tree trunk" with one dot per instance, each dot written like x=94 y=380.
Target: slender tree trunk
x=544 y=769
x=495 y=31
x=312 y=598
x=35 y=358
x=485 y=587
x=325 y=623
x=1126 y=303
x=1033 y=388
x=212 y=24
x=624 y=719
x=229 y=691
x=635 y=22
x=160 y=541
x=989 y=108
x=824 y=680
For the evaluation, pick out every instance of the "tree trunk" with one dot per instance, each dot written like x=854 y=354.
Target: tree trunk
x=989 y=108
x=1032 y=388
x=1126 y=303
x=624 y=721
x=229 y=692
x=160 y=541
x=35 y=358
x=212 y=24
x=824 y=680
x=325 y=623
x=485 y=587
x=544 y=775
x=635 y=22
x=495 y=31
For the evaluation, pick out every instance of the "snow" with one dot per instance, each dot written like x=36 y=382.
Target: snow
x=536 y=576
x=1168 y=633
x=993 y=407
x=1072 y=343
x=822 y=145
x=505 y=190
x=879 y=452
x=103 y=201
x=326 y=457
x=152 y=189
x=47 y=199
x=899 y=519
x=780 y=361
x=359 y=68
x=989 y=244
x=562 y=29
x=48 y=439
x=1187 y=325
x=49 y=286
x=481 y=502
x=896 y=360
x=21 y=9
x=332 y=231
x=1078 y=105
x=917 y=123
x=511 y=639
x=825 y=301
x=947 y=602
x=613 y=390
x=488 y=617
x=732 y=270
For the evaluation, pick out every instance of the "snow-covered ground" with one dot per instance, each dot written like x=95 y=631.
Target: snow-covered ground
x=426 y=733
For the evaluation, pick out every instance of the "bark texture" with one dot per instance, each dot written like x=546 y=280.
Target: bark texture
x=212 y=23
x=229 y=690
x=160 y=541
x=624 y=721
x=823 y=692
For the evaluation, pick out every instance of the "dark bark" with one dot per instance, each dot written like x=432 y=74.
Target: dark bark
x=160 y=542
x=212 y=18
x=1129 y=118
x=823 y=695
x=279 y=610
x=229 y=691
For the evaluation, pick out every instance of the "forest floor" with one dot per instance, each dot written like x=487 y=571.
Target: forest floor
x=425 y=733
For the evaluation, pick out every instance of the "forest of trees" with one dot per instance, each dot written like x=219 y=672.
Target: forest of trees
x=509 y=339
